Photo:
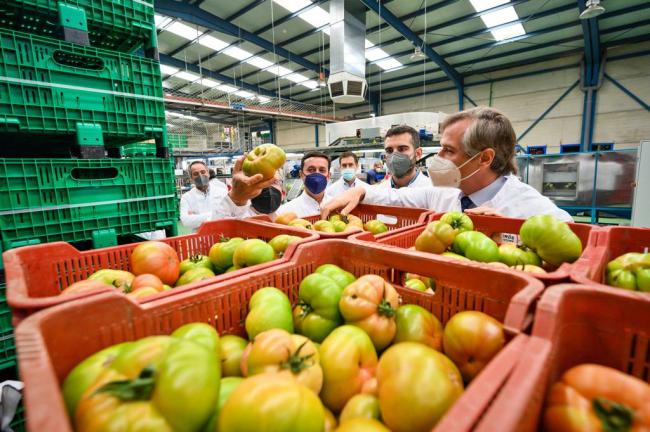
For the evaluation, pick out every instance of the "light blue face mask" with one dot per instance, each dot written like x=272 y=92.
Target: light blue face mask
x=348 y=173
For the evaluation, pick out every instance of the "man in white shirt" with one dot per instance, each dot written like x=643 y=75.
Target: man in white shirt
x=241 y=200
x=198 y=202
x=349 y=164
x=473 y=172
x=402 y=148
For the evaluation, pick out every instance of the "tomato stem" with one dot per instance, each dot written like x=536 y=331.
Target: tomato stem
x=131 y=390
x=385 y=308
x=297 y=363
x=614 y=416
x=305 y=308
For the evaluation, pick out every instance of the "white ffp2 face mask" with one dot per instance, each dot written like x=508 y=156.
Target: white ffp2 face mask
x=444 y=172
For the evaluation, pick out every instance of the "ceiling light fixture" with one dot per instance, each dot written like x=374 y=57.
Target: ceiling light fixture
x=593 y=9
x=417 y=54
x=321 y=80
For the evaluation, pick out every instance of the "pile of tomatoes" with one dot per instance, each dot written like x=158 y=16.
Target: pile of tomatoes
x=155 y=266
x=347 y=356
x=336 y=223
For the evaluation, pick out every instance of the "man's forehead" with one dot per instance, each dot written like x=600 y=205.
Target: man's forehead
x=400 y=139
x=198 y=167
x=317 y=161
x=347 y=159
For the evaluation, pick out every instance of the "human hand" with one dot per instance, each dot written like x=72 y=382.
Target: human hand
x=483 y=210
x=243 y=187
x=346 y=201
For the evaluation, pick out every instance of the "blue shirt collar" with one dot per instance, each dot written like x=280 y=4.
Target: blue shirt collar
x=394 y=186
x=484 y=195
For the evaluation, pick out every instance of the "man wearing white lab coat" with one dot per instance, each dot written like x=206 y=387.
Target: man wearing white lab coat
x=241 y=200
x=198 y=202
x=473 y=172
x=402 y=149
x=349 y=164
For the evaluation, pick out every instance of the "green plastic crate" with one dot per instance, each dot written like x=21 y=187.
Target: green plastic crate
x=7 y=343
x=61 y=90
x=138 y=150
x=177 y=140
x=120 y=25
x=73 y=200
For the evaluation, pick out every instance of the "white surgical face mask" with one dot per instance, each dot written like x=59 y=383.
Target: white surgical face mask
x=444 y=172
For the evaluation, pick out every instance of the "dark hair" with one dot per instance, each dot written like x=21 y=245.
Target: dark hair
x=349 y=154
x=212 y=173
x=315 y=154
x=189 y=168
x=402 y=129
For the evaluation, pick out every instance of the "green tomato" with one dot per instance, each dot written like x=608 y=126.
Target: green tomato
x=279 y=243
x=317 y=312
x=455 y=256
x=375 y=226
x=642 y=279
x=231 y=349
x=195 y=261
x=459 y=221
x=622 y=279
x=232 y=269
x=194 y=275
x=269 y=308
x=551 y=239
x=221 y=253
x=340 y=276
x=252 y=252
x=271 y=402
x=228 y=386
x=339 y=225
x=177 y=377
x=630 y=261
x=415 y=284
x=361 y=406
x=476 y=246
x=324 y=226
x=511 y=255
x=265 y=159
x=416 y=324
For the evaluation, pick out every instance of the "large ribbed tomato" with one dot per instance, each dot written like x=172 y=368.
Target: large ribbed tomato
x=156 y=258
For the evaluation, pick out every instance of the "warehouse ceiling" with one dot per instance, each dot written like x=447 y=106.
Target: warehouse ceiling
x=256 y=51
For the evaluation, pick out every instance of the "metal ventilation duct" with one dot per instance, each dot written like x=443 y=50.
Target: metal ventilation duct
x=347 y=83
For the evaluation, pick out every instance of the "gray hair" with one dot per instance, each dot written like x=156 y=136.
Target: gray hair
x=490 y=128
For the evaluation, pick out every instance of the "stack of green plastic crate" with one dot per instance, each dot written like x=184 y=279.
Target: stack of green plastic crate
x=74 y=97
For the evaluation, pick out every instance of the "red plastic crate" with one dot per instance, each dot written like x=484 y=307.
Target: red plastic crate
x=35 y=275
x=50 y=343
x=400 y=218
x=605 y=245
x=574 y=324
x=498 y=228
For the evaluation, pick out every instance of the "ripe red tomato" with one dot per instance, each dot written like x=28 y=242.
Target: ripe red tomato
x=147 y=280
x=156 y=258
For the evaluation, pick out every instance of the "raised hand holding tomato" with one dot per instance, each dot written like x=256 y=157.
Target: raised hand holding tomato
x=265 y=159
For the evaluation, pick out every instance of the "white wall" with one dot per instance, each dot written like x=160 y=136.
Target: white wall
x=619 y=118
x=298 y=135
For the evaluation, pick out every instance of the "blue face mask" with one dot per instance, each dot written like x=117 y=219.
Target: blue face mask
x=348 y=173
x=315 y=183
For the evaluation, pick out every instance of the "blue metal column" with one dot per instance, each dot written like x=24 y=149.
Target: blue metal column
x=591 y=71
x=316 y=134
x=271 y=124
x=461 y=97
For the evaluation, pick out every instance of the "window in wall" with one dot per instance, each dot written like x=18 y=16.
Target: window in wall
x=536 y=150
x=602 y=146
x=569 y=148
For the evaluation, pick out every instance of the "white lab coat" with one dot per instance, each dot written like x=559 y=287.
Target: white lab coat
x=515 y=199
x=201 y=204
x=340 y=186
x=420 y=181
x=303 y=205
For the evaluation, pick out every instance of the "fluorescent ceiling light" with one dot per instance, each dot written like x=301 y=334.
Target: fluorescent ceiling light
x=212 y=42
x=278 y=70
x=296 y=77
x=388 y=63
x=316 y=16
x=376 y=53
x=168 y=70
x=187 y=76
x=161 y=21
x=369 y=44
x=207 y=82
x=326 y=30
x=263 y=99
x=245 y=94
x=500 y=17
x=182 y=30
x=293 y=5
x=191 y=118
x=237 y=53
x=174 y=114
x=481 y=5
x=169 y=125
x=227 y=89
x=259 y=62
x=310 y=84
x=508 y=32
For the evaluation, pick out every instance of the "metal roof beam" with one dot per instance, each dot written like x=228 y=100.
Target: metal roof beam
x=198 y=16
x=180 y=64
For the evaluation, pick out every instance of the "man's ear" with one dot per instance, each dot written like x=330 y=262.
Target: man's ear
x=418 y=153
x=487 y=156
